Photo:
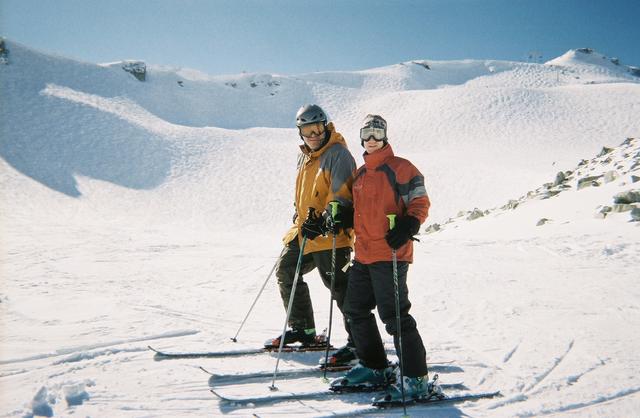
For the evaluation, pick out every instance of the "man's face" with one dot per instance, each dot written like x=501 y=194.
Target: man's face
x=313 y=135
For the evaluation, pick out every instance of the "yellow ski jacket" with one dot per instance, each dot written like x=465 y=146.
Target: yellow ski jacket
x=324 y=175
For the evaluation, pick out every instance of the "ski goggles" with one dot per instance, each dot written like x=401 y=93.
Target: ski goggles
x=312 y=129
x=378 y=134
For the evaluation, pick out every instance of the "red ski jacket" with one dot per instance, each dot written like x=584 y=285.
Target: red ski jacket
x=385 y=185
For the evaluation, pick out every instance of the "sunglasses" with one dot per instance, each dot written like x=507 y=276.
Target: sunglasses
x=312 y=129
x=378 y=134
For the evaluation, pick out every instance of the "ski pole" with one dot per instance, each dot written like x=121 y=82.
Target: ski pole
x=235 y=339
x=286 y=321
x=334 y=212
x=392 y=224
x=293 y=293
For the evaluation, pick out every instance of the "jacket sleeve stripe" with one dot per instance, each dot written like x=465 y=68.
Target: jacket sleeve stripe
x=413 y=189
x=406 y=191
x=340 y=164
x=416 y=188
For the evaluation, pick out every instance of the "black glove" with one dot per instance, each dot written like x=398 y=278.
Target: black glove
x=313 y=226
x=343 y=219
x=406 y=227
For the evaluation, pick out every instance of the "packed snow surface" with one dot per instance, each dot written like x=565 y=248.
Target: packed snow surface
x=151 y=212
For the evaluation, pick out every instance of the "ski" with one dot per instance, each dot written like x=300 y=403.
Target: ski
x=432 y=400
x=168 y=355
x=297 y=396
x=217 y=379
x=375 y=409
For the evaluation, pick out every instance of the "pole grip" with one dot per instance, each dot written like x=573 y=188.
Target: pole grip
x=334 y=209
x=392 y=220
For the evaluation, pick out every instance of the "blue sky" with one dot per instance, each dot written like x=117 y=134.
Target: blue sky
x=298 y=36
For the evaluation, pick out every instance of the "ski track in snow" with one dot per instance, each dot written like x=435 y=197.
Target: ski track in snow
x=78 y=352
x=569 y=380
x=538 y=379
x=510 y=354
x=582 y=405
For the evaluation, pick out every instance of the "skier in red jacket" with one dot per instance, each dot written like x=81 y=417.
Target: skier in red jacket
x=384 y=185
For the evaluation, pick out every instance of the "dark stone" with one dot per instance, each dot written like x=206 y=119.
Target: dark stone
x=432 y=228
x=605 y=151
x=560 y=178
x=628 y=197
x=511 y=204
x=475 y=214
x=588 y=182
x=4 y=52
x=422 y=64
x=137 y=68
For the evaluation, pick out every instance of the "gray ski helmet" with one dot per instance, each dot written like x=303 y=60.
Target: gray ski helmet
x=310 y=113
x=374 y=121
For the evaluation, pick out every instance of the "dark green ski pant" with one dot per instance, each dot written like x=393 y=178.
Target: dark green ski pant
x=302 y=310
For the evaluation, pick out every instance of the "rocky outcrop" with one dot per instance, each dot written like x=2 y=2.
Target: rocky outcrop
x=590 y=181
x=423 y=64
x=4 y=52
x=137 y=68
x=432 y=228
x=475 y=214
x=618 y=164
x=627 y=197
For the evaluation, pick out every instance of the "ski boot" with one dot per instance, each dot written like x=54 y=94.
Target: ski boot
x=306 y=337
x=415 y=388
x=363 y=379
x=343 y=359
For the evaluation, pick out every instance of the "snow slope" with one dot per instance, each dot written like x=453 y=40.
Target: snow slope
x=151 y=212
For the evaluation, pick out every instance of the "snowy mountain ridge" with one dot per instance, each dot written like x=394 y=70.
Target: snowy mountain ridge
x=587 y=57
x=155 y=134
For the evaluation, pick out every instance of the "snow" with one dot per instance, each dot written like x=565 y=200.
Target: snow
x=151 y=212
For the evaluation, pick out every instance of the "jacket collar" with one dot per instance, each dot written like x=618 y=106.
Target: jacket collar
x=375 y=160
x=334 y=138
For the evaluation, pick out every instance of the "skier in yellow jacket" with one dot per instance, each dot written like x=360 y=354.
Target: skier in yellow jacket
x=325 y=174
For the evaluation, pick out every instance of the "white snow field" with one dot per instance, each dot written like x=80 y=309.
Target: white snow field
x=137 y=213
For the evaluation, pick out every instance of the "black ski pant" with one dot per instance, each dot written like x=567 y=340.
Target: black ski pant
x=302 y=310
x=371 y=285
